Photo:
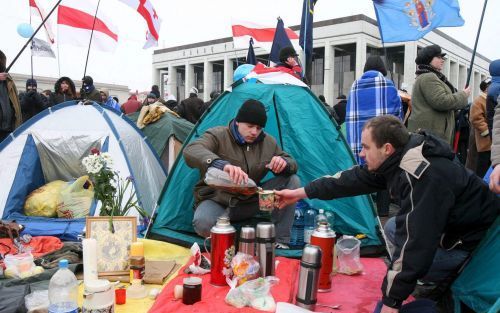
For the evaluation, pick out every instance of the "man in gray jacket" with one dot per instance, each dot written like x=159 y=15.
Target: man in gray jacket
x=495 y=152
x=243 y=150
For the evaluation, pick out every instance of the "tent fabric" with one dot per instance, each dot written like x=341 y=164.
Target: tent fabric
x=52 y=144
x=302 y=127
x=478 y=286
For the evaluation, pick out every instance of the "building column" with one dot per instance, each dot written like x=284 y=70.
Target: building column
x=189 y=79
x=360 y=56
x=207 y=79
x=410 y=67
x=172 y=80
x=156 y=76
x=446 y=67
x=228 y=72
x=329 y=73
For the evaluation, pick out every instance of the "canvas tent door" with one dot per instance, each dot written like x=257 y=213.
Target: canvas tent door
x=301 y=125
x=51 y=146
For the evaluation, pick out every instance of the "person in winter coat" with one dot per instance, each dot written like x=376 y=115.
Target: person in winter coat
x=445 y=209
x=434 y=99
x=88 y=91
x=340 y=108
x=244 y=151
x=107 y=100
x=493 y=93
x=10 y=109
x=131 y=105
x=64 y=90
x=288 y=62
x=191 y=108
x=31 y=101
x=213 y=96
x=495 y=152
x=171 y=103
x=479 y=123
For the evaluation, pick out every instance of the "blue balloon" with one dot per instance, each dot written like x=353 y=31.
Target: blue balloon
x=25 y=30
x=242 y=71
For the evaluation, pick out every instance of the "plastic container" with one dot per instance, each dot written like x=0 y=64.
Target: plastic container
x=309 y=224
x=99 y=296
x=63 y=290
x=137 y=290
x=348 y=255
x=297 y=237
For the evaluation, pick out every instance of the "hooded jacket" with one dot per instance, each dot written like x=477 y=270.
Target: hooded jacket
x=191 y=108
x=442 y=205
x=132 y=105
x=219 y=143
x=58 y=96
x=493 y=92
x=91 y=94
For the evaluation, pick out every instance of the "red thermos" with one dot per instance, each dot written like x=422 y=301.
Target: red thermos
x=324 y=237
x=221 y=251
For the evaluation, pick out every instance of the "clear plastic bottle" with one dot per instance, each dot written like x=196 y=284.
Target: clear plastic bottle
x=309 y=224
x=297 y=237
x=325 y=216
x=63 y=290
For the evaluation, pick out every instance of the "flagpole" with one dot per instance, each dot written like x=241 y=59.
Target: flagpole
x=32 y=36
x=91 y=35
x=475 y=45
x=31 y=59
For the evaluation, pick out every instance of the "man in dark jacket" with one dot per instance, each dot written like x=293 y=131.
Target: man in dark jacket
x=88 y=91
x=244 y=151
x=445 y=209
x=131 y=105
x=340 y=108
x=288 y=62
x=31 y=101
x=10 y=110
x=191 y=108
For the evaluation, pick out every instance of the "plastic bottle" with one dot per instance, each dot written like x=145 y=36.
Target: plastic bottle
x=309 y=224
x=324 y=216
x=63 y=290
x=297 y=238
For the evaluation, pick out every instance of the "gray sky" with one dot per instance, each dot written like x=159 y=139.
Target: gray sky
x=189 y=21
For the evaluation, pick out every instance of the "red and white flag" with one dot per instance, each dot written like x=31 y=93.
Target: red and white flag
x=262 y=35
x=76 y=21
x=147 y=11
x=38 y=11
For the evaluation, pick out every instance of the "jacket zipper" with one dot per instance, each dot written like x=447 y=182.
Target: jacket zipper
x=245 y=157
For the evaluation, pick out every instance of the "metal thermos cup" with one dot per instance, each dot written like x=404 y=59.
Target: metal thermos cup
x=221 y=251
x=309 y=277
x=324 y=237
x=247 y=240
x=266 y=238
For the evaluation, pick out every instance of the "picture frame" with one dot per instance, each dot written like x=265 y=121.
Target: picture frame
x=113 y=248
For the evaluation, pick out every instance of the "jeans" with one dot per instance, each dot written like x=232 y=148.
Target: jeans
x=207 y=212
x=445 y=263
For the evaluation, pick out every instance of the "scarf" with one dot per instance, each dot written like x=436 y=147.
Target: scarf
x=425 y=68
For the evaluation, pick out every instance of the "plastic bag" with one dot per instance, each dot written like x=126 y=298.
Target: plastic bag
x=221 y=180
x=76 y=199
x=255 y=293
x=45 y=200
x=37 y=301
x=244 y=267
x=21 y=266
x=201 y=265
x=348 y=255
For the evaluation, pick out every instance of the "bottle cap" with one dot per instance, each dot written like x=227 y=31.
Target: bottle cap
x=193 y=281
x=265 y=230
x=247 y=232
x=63 y=263
x=311 y=255
x=321 y=211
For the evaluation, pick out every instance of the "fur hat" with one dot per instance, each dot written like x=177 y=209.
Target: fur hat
x=252 y=112
x=428 y=53
x=287 y=52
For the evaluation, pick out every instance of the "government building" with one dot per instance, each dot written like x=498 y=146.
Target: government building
x=341 y=47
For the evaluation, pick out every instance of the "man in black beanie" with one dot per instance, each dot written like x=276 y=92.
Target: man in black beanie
x=88 y=91
x=32 y=102
x=244 y=151
x=288 y=62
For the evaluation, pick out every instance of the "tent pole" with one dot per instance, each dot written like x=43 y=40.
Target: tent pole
x=278 y=122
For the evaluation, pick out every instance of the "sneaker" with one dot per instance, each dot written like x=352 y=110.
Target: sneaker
x=279 y=245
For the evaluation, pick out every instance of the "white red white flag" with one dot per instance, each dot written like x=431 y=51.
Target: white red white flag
x=75 y=19
x=147 y=11
x=262 y=35
x=38 y=11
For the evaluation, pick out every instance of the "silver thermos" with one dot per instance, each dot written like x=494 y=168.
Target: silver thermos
x=247 y=240
x=266 y=238
x=309 y=277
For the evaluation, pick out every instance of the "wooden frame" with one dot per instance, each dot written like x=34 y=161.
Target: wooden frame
x=113 y=249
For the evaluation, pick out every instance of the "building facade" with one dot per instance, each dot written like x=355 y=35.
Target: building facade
x=341 y=47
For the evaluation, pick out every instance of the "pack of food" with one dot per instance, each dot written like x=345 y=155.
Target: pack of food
x=254 y=293
x=221 y=180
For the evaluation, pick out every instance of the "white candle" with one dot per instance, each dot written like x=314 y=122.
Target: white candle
x=89 y=259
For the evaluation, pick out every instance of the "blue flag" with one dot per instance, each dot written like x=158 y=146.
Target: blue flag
x=306 y=35
x=408 y=20
x=280 y=41
x=251 y=59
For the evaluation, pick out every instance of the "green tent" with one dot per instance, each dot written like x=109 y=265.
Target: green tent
x=478 y=286
x=303 y=128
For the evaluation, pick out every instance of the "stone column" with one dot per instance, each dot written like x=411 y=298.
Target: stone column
x=189 y=79
x=360 y=56
x=228 y=72
x=329 y=74
x=172 y=80
x=156 y=76
x=207 y=79
x=409 y=64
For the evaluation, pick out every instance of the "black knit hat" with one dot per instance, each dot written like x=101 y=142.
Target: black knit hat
x=428 y=53
x=287 y=52
x=31 y=82
x=88 y=81
x=252 y=112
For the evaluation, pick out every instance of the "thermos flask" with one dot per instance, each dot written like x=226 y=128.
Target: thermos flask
x=309 y=277
x=222 y=250
x=247 y=240
x=324 y=237
x=265 y=247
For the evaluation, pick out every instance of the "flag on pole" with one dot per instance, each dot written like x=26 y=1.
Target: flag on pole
x=280 y=41
x=306 y=36
x=148 y=12
x=41 y=48
x=38 y=11
x=75 y=19
x=251 y=59
x=262 y=35
x=403 y=20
